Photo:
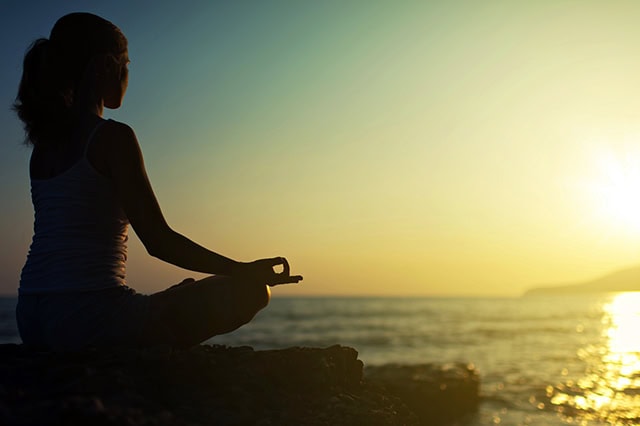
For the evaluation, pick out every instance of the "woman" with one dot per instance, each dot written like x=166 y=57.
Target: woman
x=88 y=182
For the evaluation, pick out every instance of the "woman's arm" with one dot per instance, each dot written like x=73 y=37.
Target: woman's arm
x=125 y=166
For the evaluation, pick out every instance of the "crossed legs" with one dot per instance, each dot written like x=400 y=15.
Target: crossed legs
x=193 y=311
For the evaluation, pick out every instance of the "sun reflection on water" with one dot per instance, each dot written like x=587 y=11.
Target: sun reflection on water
x=610 y=389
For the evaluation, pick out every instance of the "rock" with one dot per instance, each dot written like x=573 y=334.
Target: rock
x=437 y=393
x=203 y=385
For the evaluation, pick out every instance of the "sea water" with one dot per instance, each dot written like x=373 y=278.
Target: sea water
x=545 y=360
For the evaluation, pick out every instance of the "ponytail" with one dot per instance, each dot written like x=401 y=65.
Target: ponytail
x=44 y=99
x=53 y=70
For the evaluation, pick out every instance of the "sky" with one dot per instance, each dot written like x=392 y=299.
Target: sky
x=436 y=148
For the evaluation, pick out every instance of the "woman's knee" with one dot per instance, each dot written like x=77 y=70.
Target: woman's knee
x=256 y=298
x=263 y=296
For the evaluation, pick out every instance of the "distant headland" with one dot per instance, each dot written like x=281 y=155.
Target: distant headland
x=624 y=280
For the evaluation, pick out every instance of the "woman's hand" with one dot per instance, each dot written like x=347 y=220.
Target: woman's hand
x=263 y=271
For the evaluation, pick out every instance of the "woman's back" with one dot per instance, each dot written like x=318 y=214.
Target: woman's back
x=50 y=160
x=80 y=230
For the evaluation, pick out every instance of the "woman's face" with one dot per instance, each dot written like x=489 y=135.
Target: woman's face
x=117 y=82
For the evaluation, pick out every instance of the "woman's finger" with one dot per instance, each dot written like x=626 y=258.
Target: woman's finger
x=285 y=280
x=285 y=265
x=276 y=261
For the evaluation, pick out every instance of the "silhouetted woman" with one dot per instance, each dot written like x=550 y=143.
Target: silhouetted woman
x=88 y=183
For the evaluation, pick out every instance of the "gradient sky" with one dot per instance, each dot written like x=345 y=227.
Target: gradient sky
x=408 y=148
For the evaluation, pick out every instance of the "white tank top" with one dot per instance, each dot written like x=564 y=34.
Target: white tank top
x=80 y=233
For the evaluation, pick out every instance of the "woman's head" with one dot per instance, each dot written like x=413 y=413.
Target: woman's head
x=83 y=62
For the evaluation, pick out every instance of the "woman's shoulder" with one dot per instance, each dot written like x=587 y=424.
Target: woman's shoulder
x=113 y=128
x=115 y=135
x=113 y=142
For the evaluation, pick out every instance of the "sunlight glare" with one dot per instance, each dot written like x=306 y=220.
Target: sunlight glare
x=611 y=388
x=624 y=311
x=616 y=191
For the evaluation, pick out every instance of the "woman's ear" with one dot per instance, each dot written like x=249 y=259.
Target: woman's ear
x=114 y=66
x=97 y=67
x=104 y=63
x=110 y=64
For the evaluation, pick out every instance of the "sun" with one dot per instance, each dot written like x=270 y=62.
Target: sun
x=616 y=191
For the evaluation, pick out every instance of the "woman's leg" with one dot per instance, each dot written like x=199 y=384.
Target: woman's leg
x=194 y=311
x=28 y=317
x=76 y=320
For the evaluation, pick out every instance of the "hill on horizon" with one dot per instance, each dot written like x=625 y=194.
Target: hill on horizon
x=627 y=279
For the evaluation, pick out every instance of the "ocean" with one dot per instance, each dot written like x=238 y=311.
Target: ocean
x=544 y=360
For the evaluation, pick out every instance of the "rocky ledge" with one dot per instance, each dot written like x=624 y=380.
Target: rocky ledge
x=208 y=385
